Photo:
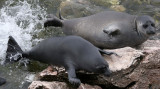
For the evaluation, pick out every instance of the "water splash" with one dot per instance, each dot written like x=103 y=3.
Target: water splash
x=20 y=20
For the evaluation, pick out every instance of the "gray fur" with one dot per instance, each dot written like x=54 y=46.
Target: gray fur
x=109 y=29
x=71 y=52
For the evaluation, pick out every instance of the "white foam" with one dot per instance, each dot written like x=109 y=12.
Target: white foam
x=19 y=19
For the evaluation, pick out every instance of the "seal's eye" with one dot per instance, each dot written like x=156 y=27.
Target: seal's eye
x=153 y=25
x=145 y=25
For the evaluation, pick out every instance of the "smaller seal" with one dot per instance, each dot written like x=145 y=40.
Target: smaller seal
x=72 y=52
x=2 y=81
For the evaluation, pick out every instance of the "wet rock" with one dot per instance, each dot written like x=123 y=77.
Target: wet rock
x=78 y=8
x=58 y=85
x=105 y=3
x=114 y=2
x=2 y=81
x=51 y=5
x=26 y=84
x=14 y=76
x=120 y=8
x=127 y=57
x=47 y=85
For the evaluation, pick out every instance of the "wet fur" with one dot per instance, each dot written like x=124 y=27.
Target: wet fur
x=71 y=52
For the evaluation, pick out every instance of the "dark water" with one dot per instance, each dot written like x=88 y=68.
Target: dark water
x=16 y=76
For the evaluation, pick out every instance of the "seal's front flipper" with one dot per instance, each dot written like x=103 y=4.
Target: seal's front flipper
x=2 y=81
x=72 y=77
x=107 y=53
x=14 y=52
x=111 y=30
x=53 y=21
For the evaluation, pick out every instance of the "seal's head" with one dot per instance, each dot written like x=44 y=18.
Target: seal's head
x=102 y=67
x=145 y=25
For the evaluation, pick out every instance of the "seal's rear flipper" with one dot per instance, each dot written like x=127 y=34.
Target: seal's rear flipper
x=54 y=21
x=107 y=53
x=14 y=52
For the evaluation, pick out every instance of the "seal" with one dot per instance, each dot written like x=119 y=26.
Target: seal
x=108 y=29
x=72 y=52
x=2 y=81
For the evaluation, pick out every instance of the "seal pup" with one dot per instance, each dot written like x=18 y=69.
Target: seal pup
x=71 y=52
x=108 y=29
x=2 y=81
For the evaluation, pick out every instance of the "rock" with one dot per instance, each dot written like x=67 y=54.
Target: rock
x=105 y=2
x=151 y=44
x=47 y=85
x=143 y=75
x=86 y=86
x=120 y=8
x=58 y=85
x=147 y=73
x=78 y=8
x=51 y=5
x=127 y=57
x=114 y=2
x=48 y=71
x=2 y=81
x=155 y=2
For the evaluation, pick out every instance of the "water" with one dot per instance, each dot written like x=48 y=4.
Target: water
x=23 y=21
x=19 y=19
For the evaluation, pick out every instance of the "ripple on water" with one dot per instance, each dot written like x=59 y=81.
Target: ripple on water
x=19 y=19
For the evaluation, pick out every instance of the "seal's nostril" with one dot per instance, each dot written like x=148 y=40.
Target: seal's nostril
x=151 y=32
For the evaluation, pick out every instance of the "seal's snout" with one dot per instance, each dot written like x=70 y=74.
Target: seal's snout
x=151 y=32
x=107 y=72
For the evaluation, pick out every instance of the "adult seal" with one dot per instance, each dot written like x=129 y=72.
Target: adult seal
x=109 y=29
x=71 y=52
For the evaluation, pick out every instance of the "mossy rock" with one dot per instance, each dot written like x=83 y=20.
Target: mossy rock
x=72 y=9
x=36 y=66
x=105 y=3
x=49 y=32
x=120 y=8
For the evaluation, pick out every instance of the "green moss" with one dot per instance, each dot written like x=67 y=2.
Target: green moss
x=49 y=32
x=51 y=5
x=36 y=66
x=101 y=2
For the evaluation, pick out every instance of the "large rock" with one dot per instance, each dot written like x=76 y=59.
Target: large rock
x=47 y=85
x=58 y=85
x=135 y=69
